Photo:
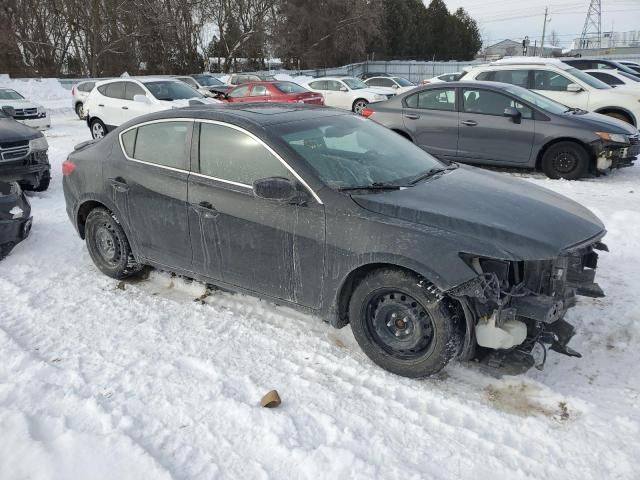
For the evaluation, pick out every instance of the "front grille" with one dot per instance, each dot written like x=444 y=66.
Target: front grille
x=26 y=113
x=13 y=150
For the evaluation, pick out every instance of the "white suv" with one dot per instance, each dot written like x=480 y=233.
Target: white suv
x=564 y=84
x=114 y=102
x=348 y=93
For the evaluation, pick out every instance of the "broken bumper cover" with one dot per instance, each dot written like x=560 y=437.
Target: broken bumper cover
x=13 y=232
x=520 y=306
x=609 y=156
x=29 y=169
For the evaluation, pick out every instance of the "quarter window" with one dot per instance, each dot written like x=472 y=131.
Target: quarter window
x=129 y=141
x=232 y=155
x=551 y=81
x=162 y=143
x=441 y=99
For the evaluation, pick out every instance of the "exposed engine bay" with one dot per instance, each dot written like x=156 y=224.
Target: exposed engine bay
x=515 y=310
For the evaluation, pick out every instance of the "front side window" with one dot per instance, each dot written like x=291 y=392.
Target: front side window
x=348 y=151
x=374 y=82
x=387 y=82
x=550 y=81
x=189 y=82
x=440 y=99
x=6 y=94
x=239 y=92
x=162 y=143
x=133 y=89
x=234 y=156
x=334 y=85
x=487 y=102
x=260 y=91
x=172 y=90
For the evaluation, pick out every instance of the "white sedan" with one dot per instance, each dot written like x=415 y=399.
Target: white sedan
x=348 y=93
x=27 y=112
x=399 y=84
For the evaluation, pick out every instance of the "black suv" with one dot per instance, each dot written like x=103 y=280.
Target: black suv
x=593 y=64
x=23 y=154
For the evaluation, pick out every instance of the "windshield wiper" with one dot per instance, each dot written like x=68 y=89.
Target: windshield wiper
x=431 y=173
x=574 y=109
x=373 y=186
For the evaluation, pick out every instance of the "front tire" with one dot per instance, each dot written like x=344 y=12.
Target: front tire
x=402 y=326
x=108 y=245
x=45 y=180
x=566 y=160
x=98 y=129
x=359 y=105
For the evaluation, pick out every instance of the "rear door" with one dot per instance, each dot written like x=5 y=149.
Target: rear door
x=431 y=118
x=259 y=93
x=486 y=135
x=268 y=247
x=150 y=189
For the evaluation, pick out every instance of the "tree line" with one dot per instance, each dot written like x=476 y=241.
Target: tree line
x=52 y=38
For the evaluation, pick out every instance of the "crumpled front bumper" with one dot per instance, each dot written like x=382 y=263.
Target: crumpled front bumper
x=615 y=155
x=29 y=169
x=13 y=232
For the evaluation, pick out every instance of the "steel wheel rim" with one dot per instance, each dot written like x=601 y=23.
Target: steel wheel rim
x=98 y=131
x=565 y=162
x=399 y=324
x=107 y=245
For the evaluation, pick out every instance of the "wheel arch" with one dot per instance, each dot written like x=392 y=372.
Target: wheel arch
x=345 y=290
x=620 y=110
x=555 y=141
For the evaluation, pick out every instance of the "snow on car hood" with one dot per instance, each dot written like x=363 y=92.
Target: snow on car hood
x=515 y=216
x=23 y=103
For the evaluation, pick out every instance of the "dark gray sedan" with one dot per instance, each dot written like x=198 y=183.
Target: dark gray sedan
x=333 y=214
x=490 y=123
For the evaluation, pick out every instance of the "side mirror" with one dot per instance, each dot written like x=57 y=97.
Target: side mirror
x=141 y=99
x=278 y=189
x=395 y=86
x=513 y=113
x=344 y=89
x=574 y=88
x=9 y=110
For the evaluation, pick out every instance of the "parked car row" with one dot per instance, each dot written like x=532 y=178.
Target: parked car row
x=24 y=110
x=304 y=205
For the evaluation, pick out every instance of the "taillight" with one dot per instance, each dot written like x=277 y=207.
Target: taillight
x=73 y=91
x=367 y=112
x=68 y=167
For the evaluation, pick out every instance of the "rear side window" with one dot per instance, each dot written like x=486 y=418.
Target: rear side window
x=114 y=90
x=129 y=141
x=319 y=85
x=87 y=86
x=232 y=155
x=441 y=99
x=514 y=77
x=259 y=91
x=162 y=143
x=239 y=92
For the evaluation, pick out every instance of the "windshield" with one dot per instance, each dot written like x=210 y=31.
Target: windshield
x=207 y=80
x=171 y=90
x=10 y=95
x=540 y=101
x=354 y=83
x=290 y=87
x=348 y=151
x=588 y=79
x=403 y=82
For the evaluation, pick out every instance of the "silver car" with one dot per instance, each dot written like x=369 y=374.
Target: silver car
x=489 y=123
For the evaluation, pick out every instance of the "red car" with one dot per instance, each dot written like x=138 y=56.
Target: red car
x=283 y=92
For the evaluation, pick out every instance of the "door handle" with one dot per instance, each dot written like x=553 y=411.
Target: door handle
x=119 y=184
x=469 y=123
x=207 y=210
x=206 y=205
x=125 y=108
x=412 y=116
x=101 y=104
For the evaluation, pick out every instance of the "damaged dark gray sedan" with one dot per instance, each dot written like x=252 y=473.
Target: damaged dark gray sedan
x=338 y=216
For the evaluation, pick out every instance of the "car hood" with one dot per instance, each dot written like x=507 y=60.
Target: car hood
x=24 y=103
x=602 y=123
x=492 y=214
x=12 y=131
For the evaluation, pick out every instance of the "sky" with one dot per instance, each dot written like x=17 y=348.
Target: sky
x=500 y=19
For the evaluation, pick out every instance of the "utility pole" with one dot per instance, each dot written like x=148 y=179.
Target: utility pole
x=544 y=30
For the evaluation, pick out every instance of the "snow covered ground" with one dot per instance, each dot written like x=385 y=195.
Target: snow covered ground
x=150 y=380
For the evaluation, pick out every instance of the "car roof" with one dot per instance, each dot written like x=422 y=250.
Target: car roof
x=138 y=79
x=258 y=114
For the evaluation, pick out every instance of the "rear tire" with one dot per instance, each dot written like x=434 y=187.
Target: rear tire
x=108 y=245
x=98 y=129
x=403 y=326
x=566 y=160
x=80 y=110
